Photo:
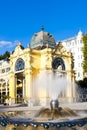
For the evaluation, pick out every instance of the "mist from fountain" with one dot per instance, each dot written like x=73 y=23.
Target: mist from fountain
x=49 y=85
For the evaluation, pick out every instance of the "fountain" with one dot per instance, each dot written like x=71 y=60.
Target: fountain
x=54 y=104
x=50 y=115
x=49 y=86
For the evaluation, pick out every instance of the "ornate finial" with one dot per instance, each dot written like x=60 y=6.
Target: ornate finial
x=19 y=43
x=42 y=28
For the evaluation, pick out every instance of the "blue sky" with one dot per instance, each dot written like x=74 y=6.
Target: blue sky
x=20 y=19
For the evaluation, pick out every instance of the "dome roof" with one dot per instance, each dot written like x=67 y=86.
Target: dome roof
x=42 y=40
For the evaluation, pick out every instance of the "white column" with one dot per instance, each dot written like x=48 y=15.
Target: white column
x=24 y=88
x=6 y=87
x=15 y=88
x=1 y=91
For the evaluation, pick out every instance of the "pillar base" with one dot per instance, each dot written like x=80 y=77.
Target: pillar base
x=37 y=102
x=67 y=100
x=11 y=101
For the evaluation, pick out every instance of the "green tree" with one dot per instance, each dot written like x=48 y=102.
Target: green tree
x=0 y=57
x=5 y=55
x=82 y=83
x=85 y=52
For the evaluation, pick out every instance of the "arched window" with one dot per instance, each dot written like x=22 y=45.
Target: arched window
x=19 y=64
x=58 y=63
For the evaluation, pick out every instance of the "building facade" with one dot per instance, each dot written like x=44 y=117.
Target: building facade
x=4 y=78
x=42 y=56
x=75 y=46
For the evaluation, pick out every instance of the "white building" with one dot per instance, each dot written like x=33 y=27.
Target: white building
x=75 y=45
x=4 y=78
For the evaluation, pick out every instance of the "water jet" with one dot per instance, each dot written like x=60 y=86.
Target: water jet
x=54 y=104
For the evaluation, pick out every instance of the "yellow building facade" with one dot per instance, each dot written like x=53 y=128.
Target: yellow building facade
x=42 y=56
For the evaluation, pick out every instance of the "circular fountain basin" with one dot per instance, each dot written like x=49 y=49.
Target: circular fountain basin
x=43 y=118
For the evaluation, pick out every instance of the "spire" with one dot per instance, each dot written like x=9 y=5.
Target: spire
x=80 y=32
x=42 y=28
x=19 y=43
x=79 y=35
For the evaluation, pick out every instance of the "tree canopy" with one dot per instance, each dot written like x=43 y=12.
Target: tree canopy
x=85 y=52
x=82 y=83
x=5 y=55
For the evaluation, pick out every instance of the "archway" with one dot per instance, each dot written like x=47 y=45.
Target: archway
x=19 y=87
x=19 y=80
x=58 y=66
x=4 y=89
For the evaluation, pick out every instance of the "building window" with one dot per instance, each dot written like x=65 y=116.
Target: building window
x=58 y=64
x=19 y=64
x=7 y=69
x=78 y=74
x=73 y=43
x=3 y=70
x=81 y=64
x=81 y=56
x=78 y=64
x=78 y=57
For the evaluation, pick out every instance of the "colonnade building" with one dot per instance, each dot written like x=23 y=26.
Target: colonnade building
x=25 y=64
